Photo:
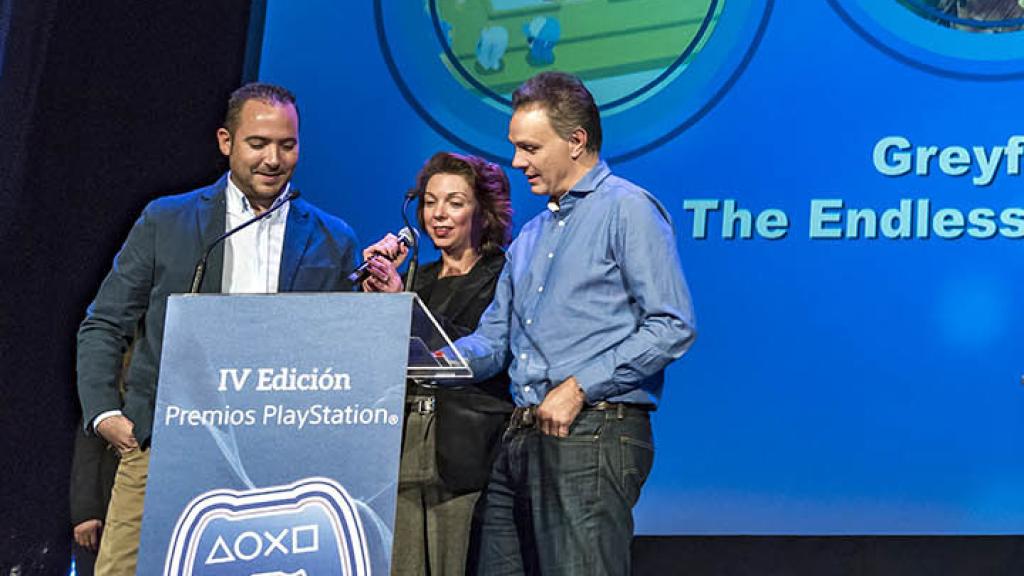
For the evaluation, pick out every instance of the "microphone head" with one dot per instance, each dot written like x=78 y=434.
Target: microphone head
x=291 y=195
x=408 y=235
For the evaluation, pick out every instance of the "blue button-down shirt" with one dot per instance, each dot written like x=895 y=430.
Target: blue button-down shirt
x=593 y=290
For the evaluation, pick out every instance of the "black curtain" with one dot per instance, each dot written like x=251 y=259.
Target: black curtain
x=103 y=107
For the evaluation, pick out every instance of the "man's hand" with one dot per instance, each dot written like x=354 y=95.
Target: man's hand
x=87 y=534
x=118 y=431
x=560 y=408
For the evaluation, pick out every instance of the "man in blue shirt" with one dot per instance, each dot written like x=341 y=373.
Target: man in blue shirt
x=589 y=310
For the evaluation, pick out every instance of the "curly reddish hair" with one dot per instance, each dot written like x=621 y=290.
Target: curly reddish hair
x=491 y=188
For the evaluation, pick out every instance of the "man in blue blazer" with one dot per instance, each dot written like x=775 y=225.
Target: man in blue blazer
x=298 y=248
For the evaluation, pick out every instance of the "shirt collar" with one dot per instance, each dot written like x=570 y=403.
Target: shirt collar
x=585 y=185
x=238 y=204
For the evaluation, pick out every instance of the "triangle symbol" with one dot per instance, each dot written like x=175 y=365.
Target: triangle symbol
x=222 y=547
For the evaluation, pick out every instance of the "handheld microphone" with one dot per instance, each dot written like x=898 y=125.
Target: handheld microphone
x=200 y=272
x=406 y=236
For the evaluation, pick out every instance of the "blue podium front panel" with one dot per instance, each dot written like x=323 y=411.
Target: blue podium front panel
x=277 y=435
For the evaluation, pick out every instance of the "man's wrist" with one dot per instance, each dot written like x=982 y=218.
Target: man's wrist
x=103 y=416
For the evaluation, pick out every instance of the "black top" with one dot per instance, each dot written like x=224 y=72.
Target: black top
x=92 y=477
x=457 y=303
x=471 y=418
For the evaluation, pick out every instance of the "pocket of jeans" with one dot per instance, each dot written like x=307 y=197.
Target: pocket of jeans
x=586 y=428
x=637 y=459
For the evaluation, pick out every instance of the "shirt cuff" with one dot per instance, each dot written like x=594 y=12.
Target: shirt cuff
x=103 y=416
x=594 y=379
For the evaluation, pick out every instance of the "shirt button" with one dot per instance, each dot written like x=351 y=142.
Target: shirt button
x=551 y=254
x=561 y=222
x=540 y=289
x=526 y=389
x=529 y=321
x=522 y=356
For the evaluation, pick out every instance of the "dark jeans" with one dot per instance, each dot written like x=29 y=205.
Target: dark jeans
x=557 y=506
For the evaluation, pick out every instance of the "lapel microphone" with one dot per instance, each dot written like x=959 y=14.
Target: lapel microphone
x=200 y=272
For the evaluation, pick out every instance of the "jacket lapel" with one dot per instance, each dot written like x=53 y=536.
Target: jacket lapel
x=297 y=232
x=211 y=217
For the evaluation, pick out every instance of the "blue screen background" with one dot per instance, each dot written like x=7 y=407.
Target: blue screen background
x=851 y=386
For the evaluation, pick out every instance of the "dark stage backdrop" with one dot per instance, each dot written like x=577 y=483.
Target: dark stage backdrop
x=103 y=106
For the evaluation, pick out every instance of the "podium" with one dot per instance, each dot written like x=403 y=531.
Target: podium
x=277 y=431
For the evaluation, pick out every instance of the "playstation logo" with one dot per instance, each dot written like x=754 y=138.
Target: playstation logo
x=309 y=527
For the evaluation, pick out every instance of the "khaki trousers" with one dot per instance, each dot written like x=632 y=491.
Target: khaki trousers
x=119 y=546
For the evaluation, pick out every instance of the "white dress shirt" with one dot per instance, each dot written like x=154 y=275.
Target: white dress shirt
x=252 y=257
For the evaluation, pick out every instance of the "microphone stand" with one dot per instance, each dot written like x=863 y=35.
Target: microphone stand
x=200 y=272
x=414 y=253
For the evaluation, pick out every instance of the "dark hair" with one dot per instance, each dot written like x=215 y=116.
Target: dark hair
x=266 y=93
x=491 y=188
x=567 y=101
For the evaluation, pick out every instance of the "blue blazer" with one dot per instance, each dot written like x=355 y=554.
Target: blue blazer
x=158 y=259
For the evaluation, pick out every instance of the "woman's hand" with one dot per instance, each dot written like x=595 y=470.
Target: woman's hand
x=383 y=276
x=390 y=247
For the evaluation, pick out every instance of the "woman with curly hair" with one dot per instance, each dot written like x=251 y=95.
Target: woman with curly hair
x=450 y=435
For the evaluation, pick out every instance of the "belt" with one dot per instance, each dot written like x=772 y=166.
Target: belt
x=526 y=416
x=522 y=417
x=421 y=404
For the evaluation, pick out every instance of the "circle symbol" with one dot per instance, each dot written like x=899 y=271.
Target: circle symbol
x=970 y=40
x=654 y=69
x=994 y=17
x=620 y=61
